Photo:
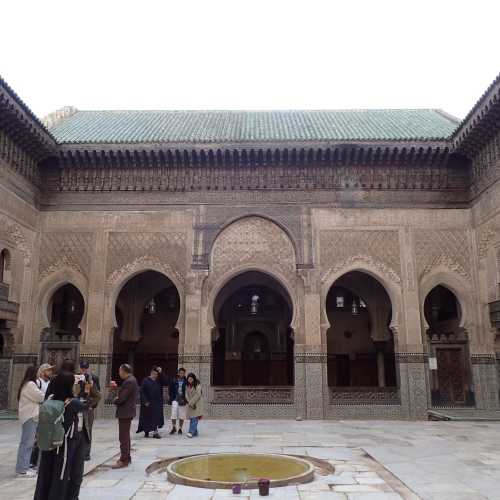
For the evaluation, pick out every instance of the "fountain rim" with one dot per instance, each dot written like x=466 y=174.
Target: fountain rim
x=176 y=478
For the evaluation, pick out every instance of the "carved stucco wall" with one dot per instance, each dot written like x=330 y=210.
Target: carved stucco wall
x=488 y=243
x=449 y=248
x=253 y=240
x=19 y=241
x=127 y=249
x=12 y=234
x=380 y=248
x=71 y=250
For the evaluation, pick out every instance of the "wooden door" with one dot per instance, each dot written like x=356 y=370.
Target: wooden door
x=451 y=374
x=256 y=360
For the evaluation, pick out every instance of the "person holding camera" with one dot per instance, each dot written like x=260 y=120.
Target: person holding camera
x=94 y=391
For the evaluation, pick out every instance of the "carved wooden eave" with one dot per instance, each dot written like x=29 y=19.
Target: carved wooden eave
x=255 y=154
x=24 y=128
x=400 y=165
x=481 y=124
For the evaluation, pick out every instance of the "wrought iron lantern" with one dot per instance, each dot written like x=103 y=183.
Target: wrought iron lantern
x=151 y=307
x=354 y=308
x=254 y=304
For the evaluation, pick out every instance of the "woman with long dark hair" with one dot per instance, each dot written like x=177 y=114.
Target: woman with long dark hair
x=59 y=474
x=29 y=397
x=194 y=404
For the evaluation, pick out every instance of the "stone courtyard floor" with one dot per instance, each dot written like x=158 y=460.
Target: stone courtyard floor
x=372 y=460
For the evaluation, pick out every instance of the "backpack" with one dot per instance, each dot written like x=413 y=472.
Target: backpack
x=50 y=433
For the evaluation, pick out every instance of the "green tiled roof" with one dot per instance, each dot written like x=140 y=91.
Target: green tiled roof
x=253 y=126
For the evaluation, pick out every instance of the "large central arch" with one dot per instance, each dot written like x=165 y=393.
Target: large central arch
x=252 y=342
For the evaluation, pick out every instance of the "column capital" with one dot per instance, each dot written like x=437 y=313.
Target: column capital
x=310 y=278
x=194 y=281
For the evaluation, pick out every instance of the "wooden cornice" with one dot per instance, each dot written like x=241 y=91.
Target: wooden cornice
x=481 y=124
x=342 y=155
x=19 y=122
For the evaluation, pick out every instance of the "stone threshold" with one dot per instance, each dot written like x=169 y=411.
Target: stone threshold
x=464 y=414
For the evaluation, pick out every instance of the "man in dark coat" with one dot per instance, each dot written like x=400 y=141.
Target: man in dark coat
x=125 y=412
x=151 y=413
x=163 y=380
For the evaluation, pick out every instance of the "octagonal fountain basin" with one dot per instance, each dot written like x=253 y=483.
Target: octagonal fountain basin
x=223 y=470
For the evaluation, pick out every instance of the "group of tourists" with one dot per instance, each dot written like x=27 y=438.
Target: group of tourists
x=185 y=397
x=57 y=414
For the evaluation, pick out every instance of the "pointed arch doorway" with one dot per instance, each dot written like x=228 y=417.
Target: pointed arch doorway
x=252 y=340
x=451 y=377
x=360 y=343
x=147 y=310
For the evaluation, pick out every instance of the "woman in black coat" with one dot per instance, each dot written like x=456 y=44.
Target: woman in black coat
x=151 y=413
x=59 y=473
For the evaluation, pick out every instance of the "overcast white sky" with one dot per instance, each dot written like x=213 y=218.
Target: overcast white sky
x=258 y=54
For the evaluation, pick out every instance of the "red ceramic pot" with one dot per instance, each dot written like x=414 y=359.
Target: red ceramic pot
x=264 y=487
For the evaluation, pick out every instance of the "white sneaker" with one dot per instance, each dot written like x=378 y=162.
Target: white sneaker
x=28 y=474
x=189 y=435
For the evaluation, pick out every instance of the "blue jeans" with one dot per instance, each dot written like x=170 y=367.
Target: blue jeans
x=193 y=426
x=28 y=435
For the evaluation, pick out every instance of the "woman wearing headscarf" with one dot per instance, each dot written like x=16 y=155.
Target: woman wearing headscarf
x=59 y=475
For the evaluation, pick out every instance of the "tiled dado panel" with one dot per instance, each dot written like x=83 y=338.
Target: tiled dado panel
x=252 y=411
x=5 y=371
x=253 y=395
x=414 y=391
x=362 y=412
x=485 y=378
